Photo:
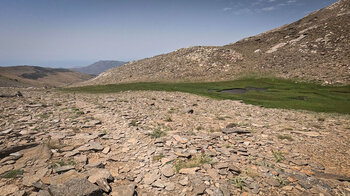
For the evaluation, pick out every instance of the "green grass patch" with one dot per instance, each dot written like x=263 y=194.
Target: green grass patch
x=195 y=161
x=157 y=133
x=13 y=173
x=278 y=93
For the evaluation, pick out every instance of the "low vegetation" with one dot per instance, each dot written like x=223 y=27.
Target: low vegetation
x=13 y=173
x=278 y=155
x=61 y=163
x=157 y=133
x=238 y=182
x=278 y=93
x=285 y=137
x=195 y=161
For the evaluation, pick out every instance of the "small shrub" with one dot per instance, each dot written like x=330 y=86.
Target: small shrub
x=321 y=119
x=211 y=130
x=196 y=161
x=199 y=128
x=133 y=123
x=168 y=119
x=171 y=110
x=281 y=180
x=238 y=182
x=13 y=173
x=157 y=157
x=61 y=163
x=278 y=155
x=44 y=115
x=157 y=133
x=285 y=137
x=266 y=164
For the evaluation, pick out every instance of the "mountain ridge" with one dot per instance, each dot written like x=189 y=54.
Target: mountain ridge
x=314 y=48
x=26 y=76
x=98 y=67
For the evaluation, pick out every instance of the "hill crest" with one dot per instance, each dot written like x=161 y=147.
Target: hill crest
x=314 y=48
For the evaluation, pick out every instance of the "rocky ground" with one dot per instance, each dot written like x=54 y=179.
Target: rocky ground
x=158 y=143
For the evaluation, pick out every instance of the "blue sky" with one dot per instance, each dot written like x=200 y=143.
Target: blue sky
x=67 y=33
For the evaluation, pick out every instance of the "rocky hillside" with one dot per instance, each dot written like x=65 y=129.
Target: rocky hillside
x=98 y=67
x=24 y=76
x=161 y=143
x=313 y=48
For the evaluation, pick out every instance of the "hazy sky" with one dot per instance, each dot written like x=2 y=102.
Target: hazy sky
x=65 y=33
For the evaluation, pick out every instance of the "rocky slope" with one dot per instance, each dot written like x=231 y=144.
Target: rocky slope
x=25 y=76
x=98 y=67
x=159 y=143
x=313 y=48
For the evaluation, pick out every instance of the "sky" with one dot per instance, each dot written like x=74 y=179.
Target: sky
x=71 y=33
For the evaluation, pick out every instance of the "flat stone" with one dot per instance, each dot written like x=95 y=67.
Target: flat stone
x=234 y=169
x=159 y=184
x=198 y=189
x=221 y=165
x=60 y=179
x=180 y=139
x=94 y=165
x=234 y=130
x=123 y=190
x=71 y=153
x=95 y=146
x=64 y=168
x=103 y=184
x=97 y=173
x=151 y=177
x=184 y=181
x=29 y=180
x=43 y=193
x=15 y=156
x=6 y=168
x=167 y=171
x=67 y=148
x=169 y=186
x=272 y=182
x=7 y=131
x=80 y=159
x=8 y=189
x=91 y=123
x=75 y=186
x=106 y=150
x=213 y=174
x=189 y=170
x=184 y=155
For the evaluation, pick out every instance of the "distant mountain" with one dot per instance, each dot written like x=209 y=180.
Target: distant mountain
x=25 y=76
x=314 y=48
x=98 y=67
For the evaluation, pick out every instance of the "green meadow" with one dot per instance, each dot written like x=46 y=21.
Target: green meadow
x=278 y=93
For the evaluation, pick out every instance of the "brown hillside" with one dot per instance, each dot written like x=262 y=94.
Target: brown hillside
x=24 y=76
x=313 y=48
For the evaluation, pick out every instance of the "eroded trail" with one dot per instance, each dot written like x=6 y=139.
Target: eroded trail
x=158 y=143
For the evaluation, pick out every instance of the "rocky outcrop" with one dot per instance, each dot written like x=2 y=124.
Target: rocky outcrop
x=314 y=48
x=222 y=148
